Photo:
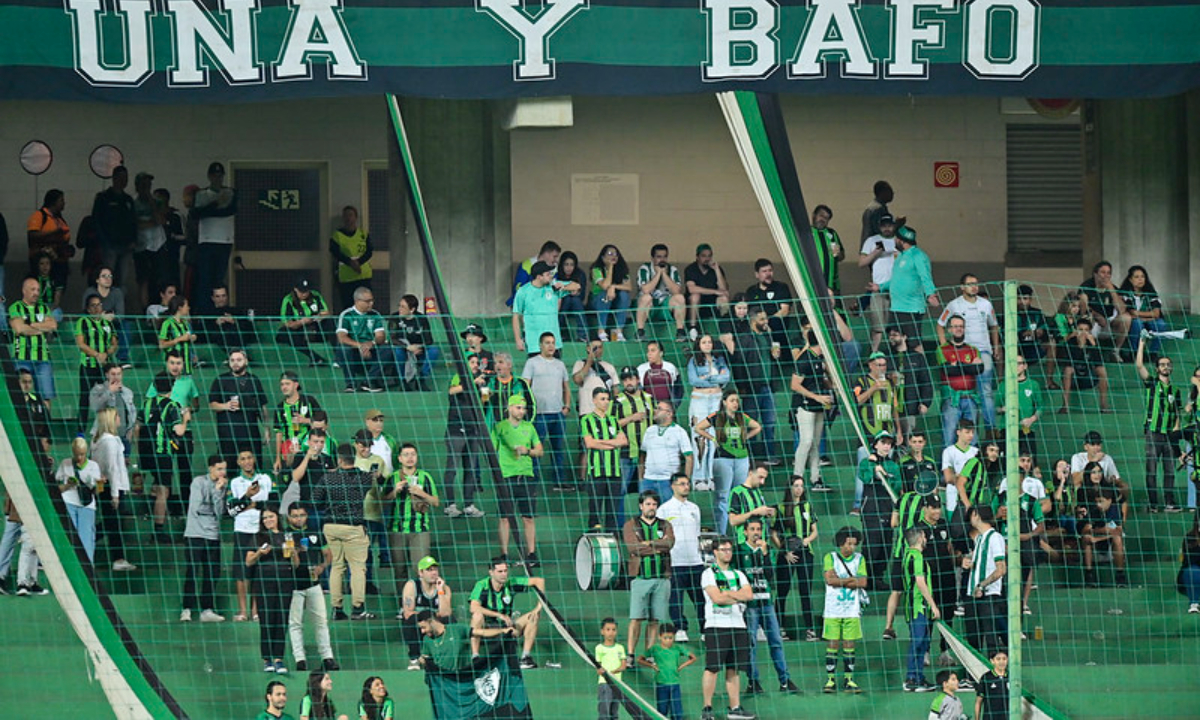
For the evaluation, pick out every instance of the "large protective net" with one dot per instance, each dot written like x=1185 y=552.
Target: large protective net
x=469 y=448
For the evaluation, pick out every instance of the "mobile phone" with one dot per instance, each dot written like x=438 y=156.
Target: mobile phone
x=265 y=546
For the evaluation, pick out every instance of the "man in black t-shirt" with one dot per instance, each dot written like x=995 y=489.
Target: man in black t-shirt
x=308 y=599
x=116 y=224
x=1083 y=366
x=228 y=327
x=706 y=287
x=237 y=399
x=810 y=399
x=772 y=297
x=308 y=471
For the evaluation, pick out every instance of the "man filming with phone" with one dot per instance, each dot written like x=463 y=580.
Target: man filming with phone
x=247 y=493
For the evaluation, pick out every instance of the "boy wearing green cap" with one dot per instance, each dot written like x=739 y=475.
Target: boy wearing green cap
x=517 y=443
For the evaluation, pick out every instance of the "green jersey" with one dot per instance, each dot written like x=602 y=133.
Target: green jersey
x=874 y=486
x=1162 y=406
x=451 y=650
x=97 y=334
x=668 y=661
x=978 y=490
x=173 y=328
x=412 y=516
x=908 y=511
x=652 y=567
x=730 y=434
x=913 y=565
x=505 y=437
x=879 y=413
x=757 y=566
x=501 y=600
x=361 y=327
x=183 y=391
x=611 y=658
x=387 y=711
x=1029 y=397
x=29 y=348
x=47 y=289
x=628 y=404
x=499 y=391
x=824 y=240
x=602 y=463
x=160 y=415
x=293 y=308
x=741 y=501
x=264 y=715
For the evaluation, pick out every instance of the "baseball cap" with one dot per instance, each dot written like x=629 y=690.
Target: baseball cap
x=372 y=414
x=426 y=562
x=876 y=356
x=301 y=283
x=143 y=176
x=473 y=329
x=516 y=400
x=884 y=218
x=907 y=234
x=702 y=247
x=883 y=435
x=363 y=436
x=628 y=371
x=539 y=268
x=1092 y=438
x=216 y=167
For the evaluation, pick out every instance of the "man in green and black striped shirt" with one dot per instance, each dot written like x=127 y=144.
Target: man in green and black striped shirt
x=829 y=248
x=919 y=608
x=97 y=342
x=176 y=333
x=1162 y=422
x=503 y=386
x=603 y=440
x=634 y=410
x=747 y=500
x=32 y=327
x=306 y=320
x=649 y=540
x=414 y=493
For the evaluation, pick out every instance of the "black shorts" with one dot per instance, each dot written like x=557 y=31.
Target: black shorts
x=517 y=496
x=242 y=544
x=909 y=324
x=896 y=575
x=726 y=649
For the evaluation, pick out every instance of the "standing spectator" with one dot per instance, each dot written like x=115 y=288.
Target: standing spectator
x=340 y=497
x=3 y=284
x=1188 y=578
x=34 y=420
x=603 y=439
x=305 y=315
x=466 y=440
x=537 y=305
x=634 y=409
x=793 y=535
x=308 y=599
x=727 y=590
x=660 y=377
x=176 y=333
x=649 y=540
x=49 y=291
x=982 y=332
x=708 y=374
x=275 y=562
x=1143 y=307
x=910 y=373
x=987 y=566
x=77 y=477
x=991 y=694
x=961 y=367
x=47 y=231
x=382 y=444
x=187 y=395
x=1083 y=366
x=879 y=475
x=112 y=300
x=612 y=661
x=308 y=471
x=911 y=288
x=879 y=254
x=116 y=225
x=732 y=431
x=611 y=290
x=351 y=249
x=920 y=610
x=237 y=399
x=248 y=493
x=591 y=372
x=413 y=352
x=876 y=209
x=228 y=327
x=33 y=329
x=175 y=228
x=517 y=442
x=707 y=289
x=360 y=332
x=810 y=400
x=747 y=500
x=474 y=336
x=666 y=449
x=1029 y=406
x=373 y=507
x=754 y=370
x=97 y=342
x=502 y=386
x=772 y=297
x=492 y=607
x=215 y=208
x=548 y=254
x=830 y=250
x=573 y=309
x=150 y=250
x=845 y=573
x=548 y=380
x=203 y=537
x=109 y=454
x=686 y=562
x=293 y=418
x=27 y=563
x=427 y=592
x=112 y=393
x=659 y=286
x=165 y=421
x=1107 y=308
x=755 y=558
x=414 y=493
x=878 y=401
x=954 y=462
x=1161 y=423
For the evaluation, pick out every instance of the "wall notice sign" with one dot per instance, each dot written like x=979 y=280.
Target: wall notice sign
x=604 y=199
x=945 y=174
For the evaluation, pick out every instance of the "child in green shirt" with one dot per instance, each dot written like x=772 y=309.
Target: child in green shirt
x=610 y=657
x=665 y=660
x=946 y=705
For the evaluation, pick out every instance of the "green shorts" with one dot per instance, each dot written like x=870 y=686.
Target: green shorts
x=843 y=629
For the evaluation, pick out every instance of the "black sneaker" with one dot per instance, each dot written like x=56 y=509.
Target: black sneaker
x=527 y=663
x=531 y=561
x=789 y=688
x=330 y=665
x=338 y=614
x=641 y=335
x=361 y=614
x=826 y=461
x=740 y=713
x=889 y=634
x=301 y=666
x=36 y=589
x=1172 y=509
x=372 y=589
x=1122 y=580
x=820 y=486
x=753 y=688
x=1089 y=579
x=707 y=714
x=681 y=335
x=966 y=685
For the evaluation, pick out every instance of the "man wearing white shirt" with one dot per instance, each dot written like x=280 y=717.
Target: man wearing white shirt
x=1093 y=451
x=986 y=569
x=666 y=450
x=215 y=207
x=686 y=561
x=953 y=460
x=983 y=333
x=247 y=494
x=879 y=253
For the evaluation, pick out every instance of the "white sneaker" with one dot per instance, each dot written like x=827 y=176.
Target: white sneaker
x=602 y=336
x=123 y=566
x=681 y=636
x=762 y=636
x=185 y=616
x=452 y=511
x=208 y=616
x=1194 y=609
x=473 y=512
x=414 y=664
x=620 y=337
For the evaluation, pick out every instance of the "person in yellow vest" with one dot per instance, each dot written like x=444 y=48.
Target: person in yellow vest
x=351 y=248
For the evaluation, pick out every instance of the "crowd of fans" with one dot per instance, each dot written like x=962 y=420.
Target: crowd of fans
x=307 y=508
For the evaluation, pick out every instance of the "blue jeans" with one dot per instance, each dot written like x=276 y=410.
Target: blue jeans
x=43 y=376
x=572 y=312
x=669 y=701
x=966 y=406
x=760 y=401
x=919 y=628
x=399 y=357
x=552 y=430
x=8 y=548
x=629 y=471
x=770 y=622
x=1135 y=331
x=987 y=389
x=1191 y=583
x=84 y=520
x=122 y=340
x=685 y=580
x=611 y=313
x=728 y=473
x=851 y=355
x=662 y=487
x=355 y=365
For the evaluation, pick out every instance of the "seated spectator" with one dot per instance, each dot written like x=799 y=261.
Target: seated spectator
x=1083 y=366
x=660 y=377
x=49 y=290
x=229 y=328
x=306 y=319
x=659 y=286
x=1106 y=307
x=155 y=312
x=960 y=365
x=1034 y=337
x=573 y=310
x=1188 y=580
x=1103 y=532
x=1143 y=308
x=549 y=254
x=361 y=334
x=611 y=289
x=707 y=288
x=412 y=352
x=772 y=297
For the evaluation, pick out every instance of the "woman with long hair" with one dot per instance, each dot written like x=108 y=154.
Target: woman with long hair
x=573 y=307
x=732 y=430
x=612 y=287
x=1143 y=306
x=176 y=332
x=375 y=703
x=77 y=477
x=109 y=453
x=708 y=374
x=274 y=579
x=316 y=704
x=793 y=535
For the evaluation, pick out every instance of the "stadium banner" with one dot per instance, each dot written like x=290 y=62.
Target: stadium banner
x=192 y=51
x=495 y=690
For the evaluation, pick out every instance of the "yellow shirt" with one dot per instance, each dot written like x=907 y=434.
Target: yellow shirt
x=611 y=658
x=352 y=246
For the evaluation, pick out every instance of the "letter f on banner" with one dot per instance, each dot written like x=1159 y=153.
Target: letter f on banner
x=535 y=62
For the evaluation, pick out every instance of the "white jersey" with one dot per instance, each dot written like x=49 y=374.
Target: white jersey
x=247 y=520
x=979 y=316
x=844 y=602
x=954 y=459
x=684 y=516
x=881 y=269
x=723 y=616
x=88 y=475
x=1080 y=460
x=665 y=449
x=989 y=549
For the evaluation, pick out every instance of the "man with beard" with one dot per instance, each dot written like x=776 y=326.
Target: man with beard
x=237 y=399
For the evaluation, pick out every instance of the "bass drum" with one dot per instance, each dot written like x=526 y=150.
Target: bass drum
x=597 y=561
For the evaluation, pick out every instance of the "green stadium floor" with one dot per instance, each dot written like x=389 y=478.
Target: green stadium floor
x=1092 y=663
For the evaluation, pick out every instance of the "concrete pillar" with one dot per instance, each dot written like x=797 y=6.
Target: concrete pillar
x=1144 y=176
x=462 y=160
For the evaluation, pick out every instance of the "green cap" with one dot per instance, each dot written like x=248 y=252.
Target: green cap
x=907 y=234
x=876 y=356
x=426 y=562
x=516 y=400
x=883 y=435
